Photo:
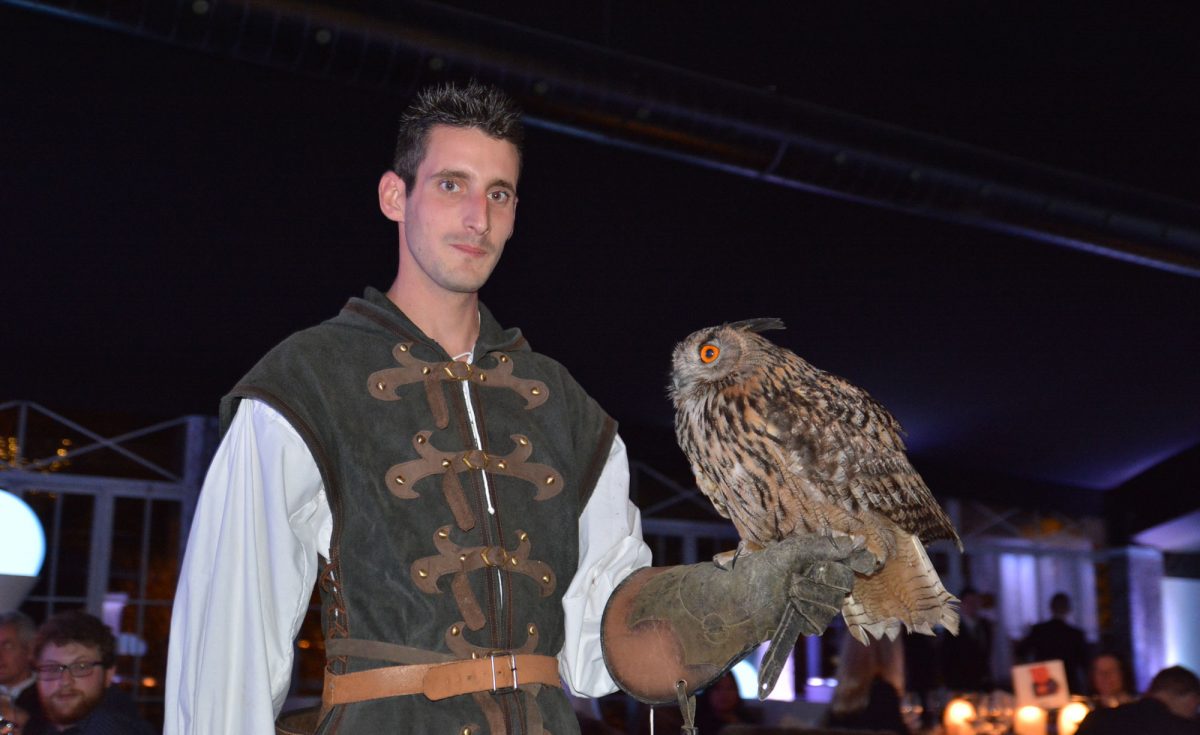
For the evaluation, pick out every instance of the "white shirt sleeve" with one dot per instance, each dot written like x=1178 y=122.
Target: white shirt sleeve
x=610 y=547
x=247 y=577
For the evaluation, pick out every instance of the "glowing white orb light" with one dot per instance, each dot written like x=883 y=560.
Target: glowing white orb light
x=22 y=550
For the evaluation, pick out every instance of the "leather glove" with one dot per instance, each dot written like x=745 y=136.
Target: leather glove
x=693 y=622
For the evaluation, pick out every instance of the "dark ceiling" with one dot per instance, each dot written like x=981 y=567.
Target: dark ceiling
x=167 y=214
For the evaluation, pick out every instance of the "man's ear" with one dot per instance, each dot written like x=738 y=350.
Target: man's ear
x=393 y=195
x=109 y=674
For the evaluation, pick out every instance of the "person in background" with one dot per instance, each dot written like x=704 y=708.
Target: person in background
x=923 y=674
x=1109 y=681
x=18 y=695
x=870 y=684
x=720 y=705
x=1058 y=639
x=965 y=659
x=1167 y=708
x=75 y=662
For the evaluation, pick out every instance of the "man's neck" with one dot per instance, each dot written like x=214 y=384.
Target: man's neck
x=450 y=319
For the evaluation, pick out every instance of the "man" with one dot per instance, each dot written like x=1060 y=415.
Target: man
x=16 y=661
x=466 y=500
x=1058 y=639
x=75 y=664
x=1167 y=708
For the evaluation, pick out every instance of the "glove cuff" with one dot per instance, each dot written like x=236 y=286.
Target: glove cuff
x=650 y=640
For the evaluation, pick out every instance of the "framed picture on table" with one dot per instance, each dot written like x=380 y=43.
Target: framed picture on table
x=1041 y=684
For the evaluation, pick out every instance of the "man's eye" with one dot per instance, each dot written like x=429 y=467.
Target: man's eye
x=501 y=196
x=448 y=185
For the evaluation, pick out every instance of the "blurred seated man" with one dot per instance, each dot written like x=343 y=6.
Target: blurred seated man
x=18 y=695
x=1168 y=708
x=75 y=661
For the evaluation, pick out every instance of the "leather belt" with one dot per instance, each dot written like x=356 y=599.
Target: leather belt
x=498 y=672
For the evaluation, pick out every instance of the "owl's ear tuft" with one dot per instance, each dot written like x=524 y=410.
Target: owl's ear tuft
x=762 y=324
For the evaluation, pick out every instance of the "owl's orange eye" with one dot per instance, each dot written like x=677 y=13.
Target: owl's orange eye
x=708 y=353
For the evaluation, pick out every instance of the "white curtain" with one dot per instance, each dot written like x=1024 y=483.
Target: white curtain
x=1023 y=580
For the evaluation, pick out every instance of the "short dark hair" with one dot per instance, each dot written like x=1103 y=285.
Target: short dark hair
x=472 y=105
x=1175 y=680
x=1060 y=603
x=77 y=626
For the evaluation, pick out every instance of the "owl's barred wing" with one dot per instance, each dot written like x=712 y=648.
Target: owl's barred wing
x=851 y=443
x=710 y=490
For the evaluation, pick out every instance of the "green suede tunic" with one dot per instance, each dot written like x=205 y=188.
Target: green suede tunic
x=418 y=562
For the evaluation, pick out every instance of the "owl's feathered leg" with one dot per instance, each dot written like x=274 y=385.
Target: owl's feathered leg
x=905 y=592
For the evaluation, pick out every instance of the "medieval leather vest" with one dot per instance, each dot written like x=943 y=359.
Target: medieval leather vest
x=425 y=563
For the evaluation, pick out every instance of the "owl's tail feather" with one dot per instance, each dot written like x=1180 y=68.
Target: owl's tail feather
x=905 y=592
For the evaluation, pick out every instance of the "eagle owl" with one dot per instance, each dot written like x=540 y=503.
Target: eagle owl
x=781 y=447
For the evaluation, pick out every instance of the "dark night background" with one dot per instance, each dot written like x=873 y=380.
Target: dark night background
x=167 y=214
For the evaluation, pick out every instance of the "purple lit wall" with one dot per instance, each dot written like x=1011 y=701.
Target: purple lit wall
x=1137 y=581
x=1181 y=600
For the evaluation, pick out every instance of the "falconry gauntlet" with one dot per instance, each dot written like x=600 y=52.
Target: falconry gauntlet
x=693 y=622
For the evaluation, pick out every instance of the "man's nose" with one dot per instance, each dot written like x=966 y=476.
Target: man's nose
x=477 y=214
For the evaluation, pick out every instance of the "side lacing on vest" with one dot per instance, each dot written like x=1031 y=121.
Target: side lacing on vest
x=401 y=478
x=460 y=561
x=335 y=611
x=383 y=383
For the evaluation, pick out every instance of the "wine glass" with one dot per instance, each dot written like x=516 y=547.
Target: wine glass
x=911 y=709
x=994 y=713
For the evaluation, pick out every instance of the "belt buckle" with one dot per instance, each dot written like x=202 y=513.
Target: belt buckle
x=512 y=665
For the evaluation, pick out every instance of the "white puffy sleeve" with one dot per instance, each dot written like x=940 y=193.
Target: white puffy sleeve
x=610 y=547
x=247 y=576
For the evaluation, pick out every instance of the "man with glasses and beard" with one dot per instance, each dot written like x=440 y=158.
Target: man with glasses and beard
x=75 y=662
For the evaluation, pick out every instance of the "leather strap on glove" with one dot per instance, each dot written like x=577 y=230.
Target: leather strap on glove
x=692 y=623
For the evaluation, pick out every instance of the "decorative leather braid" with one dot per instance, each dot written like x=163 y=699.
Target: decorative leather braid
x=402 y=477
x=495 y=717
x=456 y=641
x=462 y=560
x=383 y=383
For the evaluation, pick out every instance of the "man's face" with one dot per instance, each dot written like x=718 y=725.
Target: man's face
x=14 y=657
x=461 y=209
x=69 y=698
x=1106 y=676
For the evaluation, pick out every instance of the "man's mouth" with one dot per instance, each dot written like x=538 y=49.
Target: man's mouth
x=469 y=249
x=471 y=245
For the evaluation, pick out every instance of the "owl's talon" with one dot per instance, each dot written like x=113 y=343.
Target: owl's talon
x=726 y=559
